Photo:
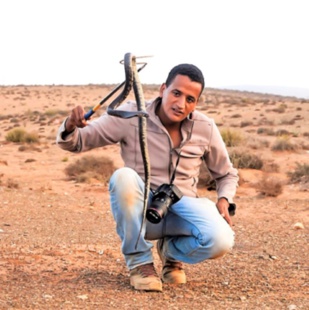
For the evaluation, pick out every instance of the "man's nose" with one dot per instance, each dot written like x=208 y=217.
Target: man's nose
x=181 y=102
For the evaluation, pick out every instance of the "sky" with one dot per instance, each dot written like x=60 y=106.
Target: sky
x=236 y=43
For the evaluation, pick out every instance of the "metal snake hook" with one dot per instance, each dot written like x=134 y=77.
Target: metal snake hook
x=97 y=106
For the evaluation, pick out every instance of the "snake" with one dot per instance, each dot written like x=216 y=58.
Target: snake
x=132 y=80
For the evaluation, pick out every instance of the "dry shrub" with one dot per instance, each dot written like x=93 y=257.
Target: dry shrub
x=281 y=108
x=18 y=135
x=244 y=160
x=270 y=166
x=4 y=117
x=90 y=167
x=29 y=147
x=282 y=132
x=12 y=183
x=266 y=131
x=283 y=144
x=300 y=174
x=54 y=112
x=237 y=115
x=31 y=137
x=269 y=186
x=257 y=144
x=287 y=122
x=245 y=124
x=14 y=120
x=231 y=138
x=265 y=121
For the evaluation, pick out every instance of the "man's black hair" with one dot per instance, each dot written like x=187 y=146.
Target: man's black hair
x=193 y=72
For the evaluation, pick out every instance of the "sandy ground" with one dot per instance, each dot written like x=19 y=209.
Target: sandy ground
x=58 y=245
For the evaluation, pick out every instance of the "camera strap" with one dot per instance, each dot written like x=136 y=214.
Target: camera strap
x=174 y=173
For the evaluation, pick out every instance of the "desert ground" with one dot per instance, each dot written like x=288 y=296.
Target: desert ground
x=58 y=245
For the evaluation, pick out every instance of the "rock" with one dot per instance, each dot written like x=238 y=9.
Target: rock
x=298 y=225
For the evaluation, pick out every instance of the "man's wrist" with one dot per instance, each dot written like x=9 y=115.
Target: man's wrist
x=67 y=131
x=224 y=198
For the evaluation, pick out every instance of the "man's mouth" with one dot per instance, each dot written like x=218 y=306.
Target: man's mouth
x=176 y=111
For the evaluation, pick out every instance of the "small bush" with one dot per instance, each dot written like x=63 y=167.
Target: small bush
x=231 y=138
x=20 y=135
x=282 y=132
x=16 y=135
x=245 y=160
x=14 y=120
x=245 y=124
x=266 y=131
x=269 y=186
x=236 y=115
x=281 y=108
x=270 y=166
x=90 y=167
x=32 y=137
x=283 y=144
x=257 y=144
x=287 y=122
x=12 y=183
x=300 y=174
x=54 y=112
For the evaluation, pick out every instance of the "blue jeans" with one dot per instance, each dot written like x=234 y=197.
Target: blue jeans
x=193 y=230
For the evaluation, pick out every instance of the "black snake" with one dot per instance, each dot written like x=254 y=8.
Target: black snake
x=132 y=79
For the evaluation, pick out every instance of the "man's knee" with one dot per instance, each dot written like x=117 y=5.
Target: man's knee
x=123 y=176
x=220 y=242
x=124 y=188
x=123 y=180
x=223 y=243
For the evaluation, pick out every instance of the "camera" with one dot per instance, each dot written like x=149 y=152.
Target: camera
x=163 y=198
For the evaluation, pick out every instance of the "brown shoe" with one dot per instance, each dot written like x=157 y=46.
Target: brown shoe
x=145 y=278
x=172 y=270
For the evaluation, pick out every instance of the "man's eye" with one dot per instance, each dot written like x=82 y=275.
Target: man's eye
x=190 y=100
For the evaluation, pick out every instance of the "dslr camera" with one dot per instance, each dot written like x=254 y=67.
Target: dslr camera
x=163 y=198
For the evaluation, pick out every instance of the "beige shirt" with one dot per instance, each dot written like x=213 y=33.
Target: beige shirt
x=201 y=140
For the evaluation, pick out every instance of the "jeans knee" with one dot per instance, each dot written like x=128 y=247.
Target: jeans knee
x=219 y=243
x=124 y=189
x=123 y=182
x=223 y=244
x=122 y=177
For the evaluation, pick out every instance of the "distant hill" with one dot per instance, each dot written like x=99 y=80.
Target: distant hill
x=274 y=90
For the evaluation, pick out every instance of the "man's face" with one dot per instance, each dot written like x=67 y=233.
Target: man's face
x=179 y=99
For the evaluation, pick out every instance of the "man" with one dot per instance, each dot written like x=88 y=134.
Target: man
x=179 y=140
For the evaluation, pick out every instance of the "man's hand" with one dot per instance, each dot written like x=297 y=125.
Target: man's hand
x=223 y=208
x=76 y=119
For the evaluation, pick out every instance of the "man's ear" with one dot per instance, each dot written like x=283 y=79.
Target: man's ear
x=162 y=88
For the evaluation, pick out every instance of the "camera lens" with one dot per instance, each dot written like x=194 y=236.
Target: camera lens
x=153 y=216
x=158 y=209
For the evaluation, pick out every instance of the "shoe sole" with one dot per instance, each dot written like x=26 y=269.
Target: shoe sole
x=183 y=280
x=147 y=286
